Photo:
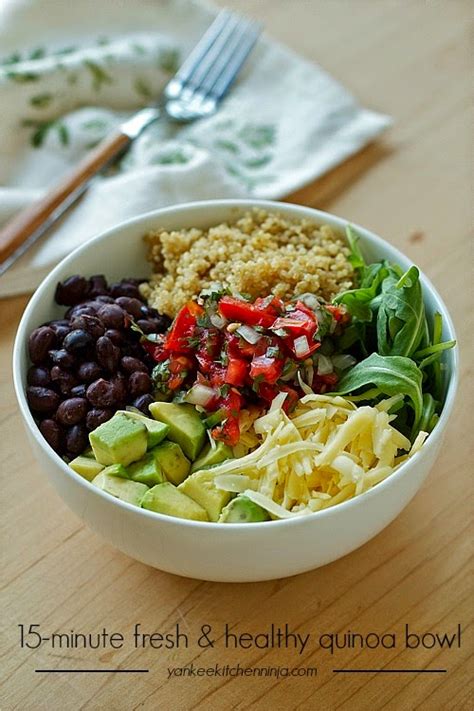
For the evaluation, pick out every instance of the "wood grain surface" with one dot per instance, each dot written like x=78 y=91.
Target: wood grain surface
x=34 y=219
x=411 y=60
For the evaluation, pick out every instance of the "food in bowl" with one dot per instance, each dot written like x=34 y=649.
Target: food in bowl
x=259 y=253
x=269 y=404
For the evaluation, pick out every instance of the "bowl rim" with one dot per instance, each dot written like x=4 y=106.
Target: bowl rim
x=290 y=209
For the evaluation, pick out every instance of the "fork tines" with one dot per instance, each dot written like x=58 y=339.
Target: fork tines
x=214 y=63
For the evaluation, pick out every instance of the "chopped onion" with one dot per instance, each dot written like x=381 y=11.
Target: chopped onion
x=343 y=361
x=218 y=321
x=311 y=301
x=301 y=347
x=200 y=395
x=324 y=365
x=304 y=386
x=249 y=334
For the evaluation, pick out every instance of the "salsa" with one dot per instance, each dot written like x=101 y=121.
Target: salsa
x=224 y=352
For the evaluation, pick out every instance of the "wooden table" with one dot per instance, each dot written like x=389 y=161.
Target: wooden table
x=409 y=59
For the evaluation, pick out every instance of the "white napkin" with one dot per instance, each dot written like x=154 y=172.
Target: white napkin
x=71 y=71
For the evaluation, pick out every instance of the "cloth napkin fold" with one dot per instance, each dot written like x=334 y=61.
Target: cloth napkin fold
x=62 y=90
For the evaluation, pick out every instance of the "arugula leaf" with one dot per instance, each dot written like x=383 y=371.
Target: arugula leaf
x=400 y=314
x=359 y=301
x=355 y=257
x=391 y=375
x=429 y=416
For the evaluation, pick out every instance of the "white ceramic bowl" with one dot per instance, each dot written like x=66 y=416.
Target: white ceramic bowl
x=210 y=551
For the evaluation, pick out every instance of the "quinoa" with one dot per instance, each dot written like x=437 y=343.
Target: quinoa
x=259 y=254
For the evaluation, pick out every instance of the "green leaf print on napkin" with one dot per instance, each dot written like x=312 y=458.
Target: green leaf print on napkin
x=42 y=129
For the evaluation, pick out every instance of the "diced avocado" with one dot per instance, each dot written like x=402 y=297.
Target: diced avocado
x=120 y=440
x=243 y=510
x=86 y=467
x=124 y=489
x=186 y=427
x=210 y=456
x=117 y=470
x=215 y=418
x=174 y=465
x=157 y=431
x=166 y=499
x=147 y=470
x=200 y=487
x=88 y=453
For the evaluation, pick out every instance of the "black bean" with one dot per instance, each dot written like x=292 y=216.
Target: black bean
x=72 y=411
x=134 y=350
x=61 y=333
x=116 y=336
x=41 y=340
x=124 y=288
x=79 y=390
x=42 y=399
x=89 y=308
x=71 y=291
x=152 y=312
x=97 y=416
x=64 y=380
x=131 y=365
x=38 y=376
x=163 y=322
x=97 y=285
x=142 y=402
x=76 y=440
x=111 y=315
x=146 y=325
x=102 y=393
x=89 y=371
x=139 y=383
x=63 y=358
x=120 y=384
x=105 y=299
x=60 y=327
x=51 y=432
x=108 y=355
x=77 y=340
x=91 y=324
x=131 y=306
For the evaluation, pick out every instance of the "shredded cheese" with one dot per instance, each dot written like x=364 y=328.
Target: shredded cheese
x=327 y=451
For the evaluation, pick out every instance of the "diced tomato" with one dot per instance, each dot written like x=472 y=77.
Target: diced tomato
x=236 y=371
x=229 y=432
x=217 y=374
x=299 y=322
x=182 y=328
x=179 y=367
x=210 y=343
x=270 y=306
x=240 y=311
x=238 y=347
x=323 y=383
x=330 y=378
x=291 y=399
x=337 y=312
x=156 y=350
x=269 y=369
x=232 y=402
x=312 y=346
x=267 y=392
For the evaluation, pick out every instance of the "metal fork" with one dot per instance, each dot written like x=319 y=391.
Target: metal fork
x=193 y=93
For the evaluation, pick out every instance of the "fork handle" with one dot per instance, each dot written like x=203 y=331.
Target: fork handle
x=34 y=220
